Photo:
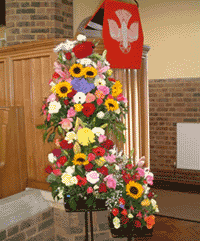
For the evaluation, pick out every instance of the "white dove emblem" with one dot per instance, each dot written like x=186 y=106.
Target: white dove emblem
x=124 y=35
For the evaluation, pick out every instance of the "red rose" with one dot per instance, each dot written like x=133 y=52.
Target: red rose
x=62 y=160
x=66 y=102
x=145 y=182
x=123 y=172
x=99 y=151
x=102 y=188
x=108 y=144
x=88 y=109
x=129 y=166
x=127 y=178
x=68 y=55
x=137 y=223
x=72 y=93
x=83 y=50
x=82 y=181
x=115 y=211
x=124 y=212
x=122 y=201
x=150 y=195
x=112 y=79
x=88 y=167
x=56 y=75
x=124 y=220
x=64 y=145
x=103 y=170
x=56 y=152
x=49 y=169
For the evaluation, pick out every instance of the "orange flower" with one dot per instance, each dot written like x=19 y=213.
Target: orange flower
x=150 y=220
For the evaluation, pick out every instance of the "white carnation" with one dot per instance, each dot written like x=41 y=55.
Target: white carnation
x=54 y=107
x=86 y=62
x=70 y=170
x=98 y=131
x=96 y=187
x=70 y=136
x=79 y=97
x=51 y=158
x=100 y=115
x=81 y=37
x=99 y=81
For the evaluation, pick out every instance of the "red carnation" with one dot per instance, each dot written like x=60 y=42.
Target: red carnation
x=88 y=167
x=49 y=169
x=56 y=75
x=88 y=109
x=150 y=195
x=129 y=166
x=115 y=211
x=137 y=223
x=112 y=79
x=124 y=220
x=83 y=50
x=68 y=55
x=72 y=93
x=108 y=144
x=62 y=160
x=64 y=145
x=124 y=212
x=122 y=201
x=56 y=152
x=102 y=188
x=66 y=102
x=103 y=170
x=99 y=151
x=82 y=181
x=127 y=178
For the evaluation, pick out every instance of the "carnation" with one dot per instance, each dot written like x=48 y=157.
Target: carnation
x=92 y=177
x=98 y=131
x=54 y=107
x=100 y=115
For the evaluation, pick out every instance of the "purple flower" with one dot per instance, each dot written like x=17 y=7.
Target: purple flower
x=81 y=85
x=121 y=206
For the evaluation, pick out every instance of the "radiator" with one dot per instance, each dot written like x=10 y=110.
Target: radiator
x=188 y=146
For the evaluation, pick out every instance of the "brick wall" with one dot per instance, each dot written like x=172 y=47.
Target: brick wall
x=29 y=20
x=171 y=101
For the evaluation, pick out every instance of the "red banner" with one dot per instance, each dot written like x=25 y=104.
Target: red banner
x=122 y=35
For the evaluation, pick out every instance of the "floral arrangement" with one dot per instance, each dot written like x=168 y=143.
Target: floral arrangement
x=131 y=203
x=85 y=105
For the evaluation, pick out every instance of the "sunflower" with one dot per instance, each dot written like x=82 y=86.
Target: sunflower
x=62 y=89
x=77 y=70
x=111 y=104
x=134 y=189
x=116 y=89
x=80 y=159
x=90 y=72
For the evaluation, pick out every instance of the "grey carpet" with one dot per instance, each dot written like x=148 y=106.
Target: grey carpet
x=178 y=204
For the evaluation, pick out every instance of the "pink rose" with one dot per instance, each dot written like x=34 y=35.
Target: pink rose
x=120 y=97
x=57 y=172
x=71 y=112
x=140 y=171
x=89 y=190
x=110 y=181
x=139 y=214
x=104 y=89
x=91 y=157
x=99 y=101
x=102 y=138
x=149 y=180
x=90 y=98
x=66 y=123
x=52 y=97
x=111 y=158
x=48 y=117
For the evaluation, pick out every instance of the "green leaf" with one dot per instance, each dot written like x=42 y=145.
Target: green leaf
x=51 y=178
x=51 y=137
x=41 y=127
x=131 y=153
x=60 y=130
x=45 y=136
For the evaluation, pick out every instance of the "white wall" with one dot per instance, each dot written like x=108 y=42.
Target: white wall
x=171 y=29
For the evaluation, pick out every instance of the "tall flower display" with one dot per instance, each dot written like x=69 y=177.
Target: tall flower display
x=84 y=103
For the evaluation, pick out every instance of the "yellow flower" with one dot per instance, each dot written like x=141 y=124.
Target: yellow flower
x=116 y=89
x=78 y=107
x=100 y=162
x=109 y=72
x=76 y=70
x=111 y=104
x=145 y=202
x=90 y=72
x=66 y=178
x=85 y=136
x=62 y=89
x=134 y=189
x=80 y=159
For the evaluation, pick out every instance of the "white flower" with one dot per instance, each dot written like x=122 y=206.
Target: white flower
x=116 y=226
x=81 y=37
x=70 y=136
x=92 y=177
x=58 y=47
x=86 y=62
x=98 y=131
x=63 y=57
x=54 y=107
x=51 y=158
x=116 y=220
x=148 y=173
x=100 y=115
x=117 y=167
x=73 y=180
x=154 y=204
x=60 y=194
x=79 y=97
x=146 y=189
x=70 y=170
x=106 y=62
x=99 y=81
x=96 y=187
x=68 y=180
x=130 y=215
x=117 y=111
x=66 y=46
x=52 y=84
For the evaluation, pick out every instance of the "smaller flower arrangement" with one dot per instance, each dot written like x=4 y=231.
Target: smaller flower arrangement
x=132 y=204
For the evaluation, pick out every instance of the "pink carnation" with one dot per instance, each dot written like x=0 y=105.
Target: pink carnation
x=71 y=112
x=91 y=157
x=66 y=123
x=149 y=180
x=57 y=172
x=104 y=89
x=110 y=181
x=99 y=101
x=89 y=190
x=111 y=158
x=48 y=117
x=52 y=97
x=102 y=138
x=140 y=171
x=120 y=97
x=90 y=98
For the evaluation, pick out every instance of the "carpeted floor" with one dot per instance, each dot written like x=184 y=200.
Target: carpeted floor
x=178 y=204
